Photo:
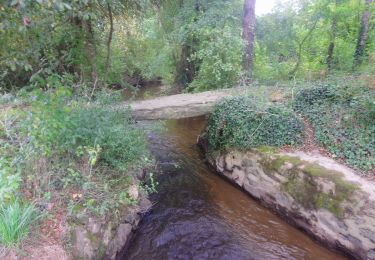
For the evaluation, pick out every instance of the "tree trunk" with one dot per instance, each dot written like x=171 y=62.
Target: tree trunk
x=331 y=46
x=187 y=68
x=248 y=36
x=363 y=35
x=109 y=41
x=293 y=72
x=91 y=51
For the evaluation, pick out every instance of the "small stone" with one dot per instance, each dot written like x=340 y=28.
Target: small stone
x=288 y=166
x=133 y=192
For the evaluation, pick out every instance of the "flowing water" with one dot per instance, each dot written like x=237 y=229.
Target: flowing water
x=199 y=215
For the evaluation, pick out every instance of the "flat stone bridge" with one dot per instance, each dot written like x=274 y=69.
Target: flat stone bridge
x=178 y=106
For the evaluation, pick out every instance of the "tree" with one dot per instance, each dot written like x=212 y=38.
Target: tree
x=248 y=35
x=293 y=72
x=363 y=35
x=331 y=46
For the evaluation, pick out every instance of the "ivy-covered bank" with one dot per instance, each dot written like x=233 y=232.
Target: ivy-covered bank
x=342 y=117
x=244 y=123
x=245 y=142
x=70 y=162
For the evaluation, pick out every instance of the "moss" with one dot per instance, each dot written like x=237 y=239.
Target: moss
x=302 y=190
x=275 y=162
x=267 y=149
x=343 y=188
x=318 y=171
x=307 y=192
x=94 y=239
x=303 y=184
x=329 y=202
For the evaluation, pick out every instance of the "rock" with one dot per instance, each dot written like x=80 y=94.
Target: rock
x=105 y=237
x=83 y=248
x=316 y=194
x=119 y=241
x=133 y=192
x=178 y=106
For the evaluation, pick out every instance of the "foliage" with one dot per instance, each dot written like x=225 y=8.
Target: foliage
x=212 y=30
x=242 y=123
x=10 y=180
x=220 y=60
x=280 y=33
x=344 y=121
x=63 y=142
x=16 y=220
x=58 y=125
x=10 y=158
x=194 y=43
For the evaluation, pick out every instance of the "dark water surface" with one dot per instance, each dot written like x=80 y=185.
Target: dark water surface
x=198 y=215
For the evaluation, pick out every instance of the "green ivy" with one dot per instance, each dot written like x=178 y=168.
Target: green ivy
x=343 y=118
x=239 y=122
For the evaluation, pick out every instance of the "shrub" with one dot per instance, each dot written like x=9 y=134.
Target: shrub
x=239 y=122
x=220 y=61
x=121 y=143
x=16 y=220
x=343 y=120
x=57 y=125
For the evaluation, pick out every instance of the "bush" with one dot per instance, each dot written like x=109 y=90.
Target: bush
x=219 y=57
x=121 y=143
x=343 y=118
x=64 y=143
x=16 y=220
x=240 y=123
x=58 y=125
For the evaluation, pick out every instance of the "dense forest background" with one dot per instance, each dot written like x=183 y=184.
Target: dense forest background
x=196 y=44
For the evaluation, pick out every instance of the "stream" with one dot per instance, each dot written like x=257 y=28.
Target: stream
x=199 y=215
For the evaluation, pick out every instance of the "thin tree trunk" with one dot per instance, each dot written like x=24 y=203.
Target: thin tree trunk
x=331 y=46
x=300 y=46
x=109 y=41
x=363 y=35
x=91 y=51
x=187 y=69
x=248 y=36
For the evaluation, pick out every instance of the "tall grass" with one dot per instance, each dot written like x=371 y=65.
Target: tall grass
x=15 y=222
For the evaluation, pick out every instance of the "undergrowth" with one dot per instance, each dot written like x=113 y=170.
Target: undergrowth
x=64 y=149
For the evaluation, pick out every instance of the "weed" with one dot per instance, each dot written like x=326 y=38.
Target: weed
x=16 y=219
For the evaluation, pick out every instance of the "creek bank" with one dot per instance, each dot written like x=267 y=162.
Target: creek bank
x=106 y=237
x=316 y=194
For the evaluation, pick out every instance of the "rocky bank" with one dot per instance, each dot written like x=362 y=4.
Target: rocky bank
x=95 y=238
x=316 y=194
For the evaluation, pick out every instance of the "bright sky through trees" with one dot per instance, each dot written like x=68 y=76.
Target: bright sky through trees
x=264 y=6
